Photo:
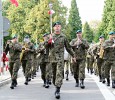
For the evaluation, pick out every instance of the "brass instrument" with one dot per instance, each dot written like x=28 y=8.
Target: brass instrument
x=24 y=48
x=78 y=42
x=101 y=51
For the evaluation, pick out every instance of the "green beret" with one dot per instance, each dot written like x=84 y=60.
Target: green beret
x=56 y=23
x=112 y=32
x=14 y=36
x=101 y=36
x=26 y=36
x=78 y=31
x=45 y=34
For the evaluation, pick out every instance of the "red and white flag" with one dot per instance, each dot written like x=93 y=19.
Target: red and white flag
x=50 y=12
x=15 y=2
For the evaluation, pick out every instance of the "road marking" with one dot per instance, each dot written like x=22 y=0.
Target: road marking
x=103 y=88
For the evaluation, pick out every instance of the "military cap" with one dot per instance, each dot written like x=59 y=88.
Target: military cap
x=56 y=23
x=14 y=36
x=26 y=36
x=101 y=36
x=45 y=34
x=78 y=31
x=112 y=32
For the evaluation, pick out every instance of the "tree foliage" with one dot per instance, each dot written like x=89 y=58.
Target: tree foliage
x=87 y=33
x=108 y=19
x=74 y=19
x=31 y=17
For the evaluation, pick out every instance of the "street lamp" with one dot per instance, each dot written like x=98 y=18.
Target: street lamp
x=50 y=6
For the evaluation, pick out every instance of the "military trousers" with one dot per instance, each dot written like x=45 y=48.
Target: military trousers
x=107 y=67
x=26 y=65
x=48 y=71
x=99 y=65
x=43 y=70
x=14 y=68
x=79 y=69
x=113 y=70
x=58 y=73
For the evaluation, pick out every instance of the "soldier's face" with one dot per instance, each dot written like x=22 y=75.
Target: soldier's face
x=45 y=38
x=101 y=39
x=14 y=40
x=113 y=36
x=79 y=35
x=57 y=28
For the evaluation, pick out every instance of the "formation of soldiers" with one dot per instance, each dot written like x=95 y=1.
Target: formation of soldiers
x=49 y=55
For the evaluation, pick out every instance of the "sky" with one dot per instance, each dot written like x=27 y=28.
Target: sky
x=88 y=9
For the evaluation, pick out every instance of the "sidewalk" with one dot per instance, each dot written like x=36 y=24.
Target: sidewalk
x=4 y=78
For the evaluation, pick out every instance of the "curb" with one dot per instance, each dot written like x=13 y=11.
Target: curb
x=4 y=82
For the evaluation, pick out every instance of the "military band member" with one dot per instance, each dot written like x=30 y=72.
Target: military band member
x=26 y=58
x=79 y=46
x=44 y=51
x=14 y=49
x=98 y=51
x=109 y=58
x=56 y=43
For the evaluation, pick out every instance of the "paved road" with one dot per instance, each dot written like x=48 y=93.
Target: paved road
x=34 y=91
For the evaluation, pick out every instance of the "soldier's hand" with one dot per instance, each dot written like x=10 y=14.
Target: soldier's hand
x=74 y=59
x=113 y=45
x=27 y=49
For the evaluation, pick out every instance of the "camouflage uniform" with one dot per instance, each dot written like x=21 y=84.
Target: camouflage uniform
x=56 y=57
x=90 y=59
x=79 y=66
x=34 y=64
x=109 y=60
x=99 y=60
x=44 y=51
x=27 y=61
x=14 y=61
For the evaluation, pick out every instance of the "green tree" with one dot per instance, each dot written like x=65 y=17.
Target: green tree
x=87 y=33
x=17 y=15
x=38 y=20
x=74 y=19
x=108 y=19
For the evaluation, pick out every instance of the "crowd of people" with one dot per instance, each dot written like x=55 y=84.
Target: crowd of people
x=51 y=56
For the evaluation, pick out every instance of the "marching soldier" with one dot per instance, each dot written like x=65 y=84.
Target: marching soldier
x=26 y=58
x=44 y=51
x=14 y=49
x=90 y=59
x=79 y=46
x=56 y=43
x=109 y=58
x=98 y=52
x=66 y=63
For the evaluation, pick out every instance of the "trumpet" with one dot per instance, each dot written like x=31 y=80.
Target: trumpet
x=101 y=51
x=78 y=42
x=24 y=48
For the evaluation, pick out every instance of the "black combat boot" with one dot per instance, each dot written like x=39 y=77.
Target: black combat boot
x=100 y=78
x=47 y=84
x=29 y=78
x=12 y=85
x=77 y=83
x=82 y=83
x=103 y=80
x=108 y=82
x=44 y=83
x=113 y=83
x=15 y=83
x=50 y=82
x=57 y=93
x=26 y=82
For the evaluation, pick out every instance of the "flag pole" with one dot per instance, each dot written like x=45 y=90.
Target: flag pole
x=50 y=6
